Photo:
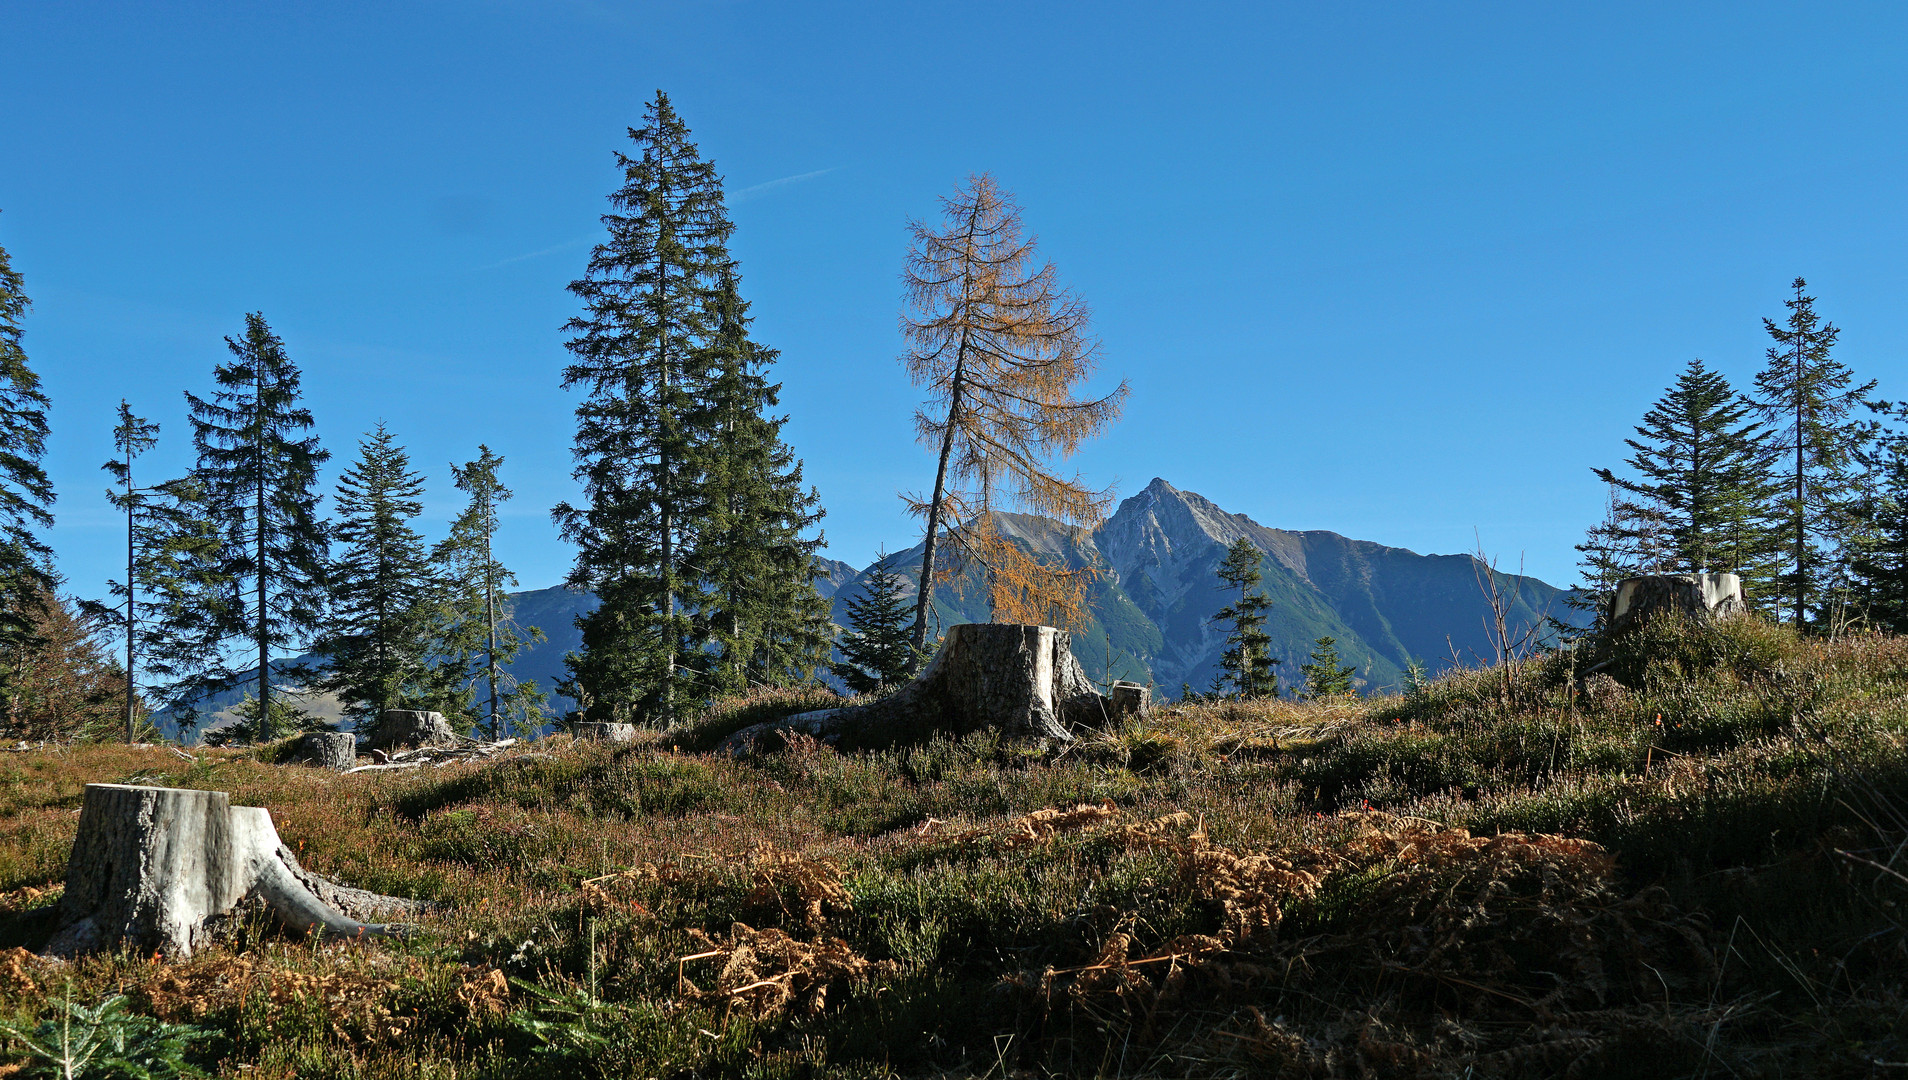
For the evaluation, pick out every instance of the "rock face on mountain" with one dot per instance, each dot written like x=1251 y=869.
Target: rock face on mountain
x=1152 y=607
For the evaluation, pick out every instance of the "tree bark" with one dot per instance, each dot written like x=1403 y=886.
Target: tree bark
x=410 y=727
x=1130 y=699
x=1701 y=597
x=1021 y=680
x=162 y=869
x=329 y=749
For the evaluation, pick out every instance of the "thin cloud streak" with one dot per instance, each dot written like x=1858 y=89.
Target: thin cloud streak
x=567 y=245
x=751 y=192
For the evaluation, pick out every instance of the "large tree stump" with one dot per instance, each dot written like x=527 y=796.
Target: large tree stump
x=402 y=728
x=1130 y=699
x=1021 y=680
x=329 y=749
x=595 y=732
x=1698 y=597
x=163 y=869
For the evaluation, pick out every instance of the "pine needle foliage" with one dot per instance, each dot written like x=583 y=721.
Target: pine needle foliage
x=26 y=493
x=381 y=585
x=258 y=471
x=639 y=355
x=1246 y=666
x=1806 y=397
x=877 y=648
x=1324 y=678
x=1002 y=349
x=1700 y=464
x=474 y=636
x=763 y=619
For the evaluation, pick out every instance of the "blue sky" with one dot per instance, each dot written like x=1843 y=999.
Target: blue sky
x=1401 y=271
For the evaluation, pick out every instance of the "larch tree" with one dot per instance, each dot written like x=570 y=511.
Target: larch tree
x=1700 y=468
x=474 y=637
x=640 y=352
x=258 y=472
x=1807 y=397
x=762 y=617
x=1246 y=665
x=27 y=581
x=1002 y=349
x=381 y=586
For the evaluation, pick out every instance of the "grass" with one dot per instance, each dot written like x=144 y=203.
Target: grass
x=1680 y=866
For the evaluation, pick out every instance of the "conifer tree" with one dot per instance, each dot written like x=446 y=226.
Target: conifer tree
x=640 y=354
x=381 y=589
x=1701 y=466
x=877 y=649
x=258 y=473
x=1324 y=679
x=1246 y=666
x=1806 y=397
x=765 y=620
x=27 y=580
x=1879 y=565
x=474 y=638
x=169 y=545
x=1002 y=348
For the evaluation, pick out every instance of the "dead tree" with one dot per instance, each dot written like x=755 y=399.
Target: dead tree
x=1020 y=680
x=167 y=870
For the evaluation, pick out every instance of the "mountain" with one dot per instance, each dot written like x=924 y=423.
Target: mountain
x=1158 y=555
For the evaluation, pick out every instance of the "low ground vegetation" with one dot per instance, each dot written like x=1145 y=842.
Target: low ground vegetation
x=1687 y=864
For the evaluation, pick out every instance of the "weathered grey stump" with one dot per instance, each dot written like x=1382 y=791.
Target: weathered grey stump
x=400 y=728
x=1129 y=699
x=329 y=749
x=159 y=869
x=1699 y=597
x=1020 y=680
x=594 y=732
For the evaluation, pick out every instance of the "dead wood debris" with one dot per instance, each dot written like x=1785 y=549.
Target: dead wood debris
x=435 y=756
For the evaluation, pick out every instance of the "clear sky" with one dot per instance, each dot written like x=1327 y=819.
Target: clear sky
x=1402 y=271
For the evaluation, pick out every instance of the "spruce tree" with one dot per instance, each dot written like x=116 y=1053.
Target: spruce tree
x=1246 y=666
x=641 y=352
x=1700 y=467
x=1879 y=565
x=381 y=587
x=473 y=637
x=27 y=581
x=258 y=472
x=763 y=617
x=1806 y=397
x=1324 y=679
x=877 y=649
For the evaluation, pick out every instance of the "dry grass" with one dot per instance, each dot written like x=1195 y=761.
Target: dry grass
x=1427 y=886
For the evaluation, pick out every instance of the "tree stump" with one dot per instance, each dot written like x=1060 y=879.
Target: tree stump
x=1698 y=597
x=594 y=732
x=163 y=869
x=402 y=728
x=1130 y=699
x=1021 y=680
x=329 y=749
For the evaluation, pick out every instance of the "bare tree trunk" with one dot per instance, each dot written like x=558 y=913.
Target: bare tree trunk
x=162 y=869
x=1020 y=680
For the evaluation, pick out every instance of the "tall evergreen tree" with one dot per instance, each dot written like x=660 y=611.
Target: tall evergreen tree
x=169 y=547
x=381 y=586
x=27 y=581
x=259 y=475
x=1246 y=666
x=641 y=350
x=878 y=648
x=1701 y=474
x=474 y=638
x=1879 y=565
x=1806 y=397
x=1324 y=679
x=766 y=621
